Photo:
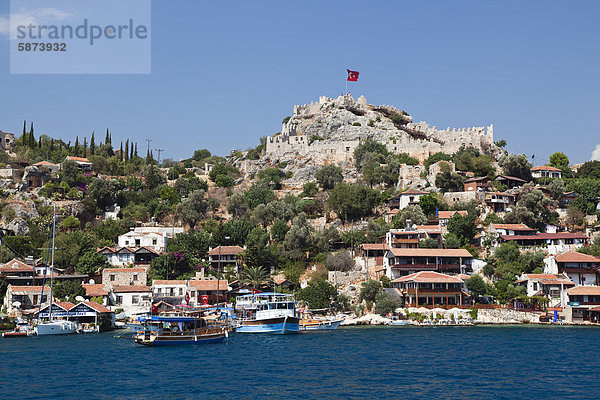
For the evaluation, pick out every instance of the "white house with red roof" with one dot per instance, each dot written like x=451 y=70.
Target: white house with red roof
x=546 y=171
x=429 y=287
x=82 y=162
x=401 y=262
x=18 y=298
x=551 y=243
x=131 y=299
x=407 y=198
x=152 y=237
x=136 y=276
x=582 y=269
x=445 y=216
x=222 y=256
x=552 y=286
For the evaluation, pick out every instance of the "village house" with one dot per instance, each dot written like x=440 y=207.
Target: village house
x=552 y=243
x=546 y=171
x=172 y=291
x=136 y=276
x=53 y=168
x=445 y=216
x=409 y=198
x=85 y=312
x=401 y=262
x=132 y=300
x=499 y=202
x=430 y=231
x=551 y=286
x=17 y=272
x=584 y=302
x=122 y=256
x=155 y=238
x=96 y=290
x=402 y=239
x=494 y=231
x=371 y=256
x=221 y=257
x=474 y=184
x=429 y=288
x=208 y=291
x=82 y=163
x=510 y=181
x=582 y=269
x=24 y=297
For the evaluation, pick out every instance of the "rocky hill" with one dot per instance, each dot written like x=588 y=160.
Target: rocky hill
x=330 y=130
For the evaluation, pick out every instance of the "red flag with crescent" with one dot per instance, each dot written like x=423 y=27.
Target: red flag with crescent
x=352 y=75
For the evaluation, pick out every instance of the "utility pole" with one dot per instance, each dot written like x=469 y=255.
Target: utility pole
x=159 y=151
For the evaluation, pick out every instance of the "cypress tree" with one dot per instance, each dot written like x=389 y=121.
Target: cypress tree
x=31 y=137
x=84 y=147
x=92 y=145
x=40 y=142
x=51 y=145
x=136 y=152
x=131 y=152
x=107 y=138
x=24 y=139
x=121 y=153
x=127 y=150
x=76 y=148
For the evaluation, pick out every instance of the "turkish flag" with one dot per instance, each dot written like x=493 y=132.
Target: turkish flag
x=204 y=299
x=352 y=75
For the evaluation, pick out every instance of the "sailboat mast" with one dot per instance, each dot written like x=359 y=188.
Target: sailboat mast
x=52 y=263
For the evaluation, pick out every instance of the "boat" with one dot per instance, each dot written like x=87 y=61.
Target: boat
x=394 y=321
x=311 y=322
x=22 y=329
x=53 y=327
x=169 y=330
x=266 y=313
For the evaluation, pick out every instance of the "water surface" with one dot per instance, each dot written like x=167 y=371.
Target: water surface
x=506 y=362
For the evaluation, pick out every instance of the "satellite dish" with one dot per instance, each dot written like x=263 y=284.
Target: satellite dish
x=79 y=298
x=92 y=282
x=17 y=304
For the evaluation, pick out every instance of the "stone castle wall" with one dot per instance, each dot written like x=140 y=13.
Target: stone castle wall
x=344 y=122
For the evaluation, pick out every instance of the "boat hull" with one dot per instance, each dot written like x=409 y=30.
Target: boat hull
x=56 y=328
x=14 y=334
x=277 y=325
x=320 y=325
x=170 y=340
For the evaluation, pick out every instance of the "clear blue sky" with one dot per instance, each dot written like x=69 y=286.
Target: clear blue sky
x=224 y=74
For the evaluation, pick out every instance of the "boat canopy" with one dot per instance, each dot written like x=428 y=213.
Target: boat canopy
x=166 y=318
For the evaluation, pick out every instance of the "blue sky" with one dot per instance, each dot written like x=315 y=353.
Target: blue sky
x=226 y=73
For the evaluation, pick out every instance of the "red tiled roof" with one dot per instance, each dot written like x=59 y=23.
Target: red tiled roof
x=208 y=284
x=413 y=191
x=450 y=214
x=435 y=228
x=510 y=178
x=545 y=168
x=431 y=253
x=374 y=246
x=131 y=289
x=94 y=290
x=546 y=236
x=573 y=256
x=44 y=164
x=481 y=178
x=513 y=227
x=16 y=265
x=81 y=159
x=29 y=288
x=98 y=307
x=225 y=250
x=429 y=277
x=549 y=279
x=585 y=290
x=67 y=305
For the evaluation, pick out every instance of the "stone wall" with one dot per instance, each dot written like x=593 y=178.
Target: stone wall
x=504 y=316
x=330 y=130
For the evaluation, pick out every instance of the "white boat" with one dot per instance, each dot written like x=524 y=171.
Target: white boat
x=57 y=327
x=266 y=313
x=320 y=324
x=54 y=327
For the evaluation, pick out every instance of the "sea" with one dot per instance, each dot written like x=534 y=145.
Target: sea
x=404 y=362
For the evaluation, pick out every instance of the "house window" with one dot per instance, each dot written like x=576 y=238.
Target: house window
x=127 y=243
x=135 y=299
x=112 y=278
x=137 y=242
x=154 y=241
x=135 y=277
x=535 y=286
x=181 y=291
x=193 y=294
x=159 y=291
x=35 y=299
x=119 y=300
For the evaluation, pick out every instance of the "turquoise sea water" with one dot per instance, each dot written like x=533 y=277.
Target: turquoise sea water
x=508 y=362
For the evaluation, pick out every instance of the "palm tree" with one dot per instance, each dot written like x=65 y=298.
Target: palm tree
x=255 y=276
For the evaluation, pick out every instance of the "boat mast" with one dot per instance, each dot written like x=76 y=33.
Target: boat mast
x=52 y=263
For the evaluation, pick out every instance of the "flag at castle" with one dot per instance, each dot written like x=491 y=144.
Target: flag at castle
x=352 y=75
